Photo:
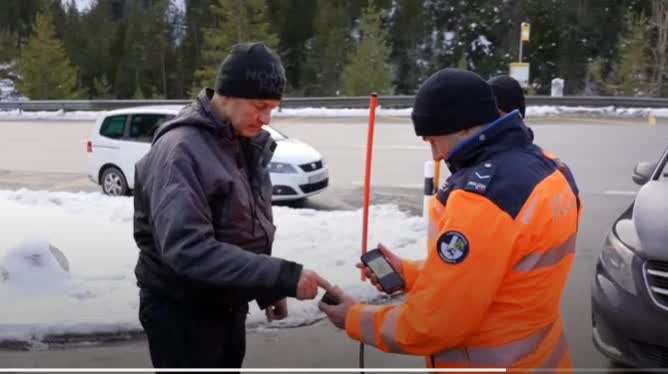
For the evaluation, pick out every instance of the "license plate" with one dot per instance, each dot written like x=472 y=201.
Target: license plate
x=317 y=178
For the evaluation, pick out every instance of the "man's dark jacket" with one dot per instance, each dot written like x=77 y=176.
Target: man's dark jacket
x=203 y=218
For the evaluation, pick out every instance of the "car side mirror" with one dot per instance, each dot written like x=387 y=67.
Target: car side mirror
x=643 y=172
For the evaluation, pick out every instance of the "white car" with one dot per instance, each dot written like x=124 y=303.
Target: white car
x=121 y=137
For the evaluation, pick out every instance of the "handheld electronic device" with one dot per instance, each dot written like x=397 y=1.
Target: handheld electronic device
x=330 y=299
x=389 y=279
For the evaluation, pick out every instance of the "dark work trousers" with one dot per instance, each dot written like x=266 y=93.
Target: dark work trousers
x=181 y=335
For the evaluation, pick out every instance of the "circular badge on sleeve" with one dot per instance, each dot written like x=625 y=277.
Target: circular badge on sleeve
x=452 y=247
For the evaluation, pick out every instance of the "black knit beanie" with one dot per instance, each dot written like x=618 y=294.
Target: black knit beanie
x=452 y=100
x=251 y=71
x=508 y=93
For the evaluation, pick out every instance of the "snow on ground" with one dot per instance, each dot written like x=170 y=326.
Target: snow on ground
x=532 y=111
x=15 y=114
x=99 y=295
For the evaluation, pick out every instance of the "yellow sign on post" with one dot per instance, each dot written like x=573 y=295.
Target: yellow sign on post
x=526 y=29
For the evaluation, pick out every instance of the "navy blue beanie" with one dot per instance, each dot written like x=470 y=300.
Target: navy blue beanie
x=452 y=100
x=251 y=71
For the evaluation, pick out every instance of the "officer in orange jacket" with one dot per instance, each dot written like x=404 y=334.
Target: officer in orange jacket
x=501 y=241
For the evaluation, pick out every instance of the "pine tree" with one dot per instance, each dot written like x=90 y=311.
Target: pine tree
x=99 y=58
x=102 y=88
x=407 y=33
x=18 y=16
x=8 y=46
x=139 y=95
x=44 y=68
x=238 y=21
x=57 y=12
x=368 y=69
x=292 y=22
x=197 y=18
x=660 y=47
x=327 y=50
x=630 y=75
x=8 y=54
x=174 y=66
x=133 y=59
x=157 y=48
x=594 y=80
x=74 y=41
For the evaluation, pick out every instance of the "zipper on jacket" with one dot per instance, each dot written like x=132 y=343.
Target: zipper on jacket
x=257 y=165
x=243 y=161
x=243 y=165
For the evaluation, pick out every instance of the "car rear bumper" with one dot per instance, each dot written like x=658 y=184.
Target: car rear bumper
x=93 y=171
x=629 y=329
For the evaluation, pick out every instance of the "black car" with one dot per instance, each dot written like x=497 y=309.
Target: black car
x=630 y=288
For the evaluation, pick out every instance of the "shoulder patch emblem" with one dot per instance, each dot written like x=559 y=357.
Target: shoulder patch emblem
x=480 y=178
x=452 y=247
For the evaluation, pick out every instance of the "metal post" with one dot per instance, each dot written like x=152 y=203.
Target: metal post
x=428 y=189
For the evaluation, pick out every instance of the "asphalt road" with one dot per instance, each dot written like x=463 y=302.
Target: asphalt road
x=602 y=152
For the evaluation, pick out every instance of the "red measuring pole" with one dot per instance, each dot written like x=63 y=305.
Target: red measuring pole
x=367 y=172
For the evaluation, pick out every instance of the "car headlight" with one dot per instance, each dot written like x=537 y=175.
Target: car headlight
x=617 y=259
x=281 y=167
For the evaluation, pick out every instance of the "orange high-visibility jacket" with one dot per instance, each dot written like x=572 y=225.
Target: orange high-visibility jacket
x=501 y=242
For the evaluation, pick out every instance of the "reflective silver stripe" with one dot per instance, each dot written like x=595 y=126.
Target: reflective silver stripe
x=502 y=355
x=555 y=358
x=526 y=217
x=550 y=257
x=432 y=231
x=388 y=333
x=439 y=207
x=367 y=332
x=458 y=355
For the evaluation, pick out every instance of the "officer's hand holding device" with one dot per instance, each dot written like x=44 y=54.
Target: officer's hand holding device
x=384 y=274
x=335 y=304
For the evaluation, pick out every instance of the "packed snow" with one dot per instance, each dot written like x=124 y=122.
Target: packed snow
x=67 y=260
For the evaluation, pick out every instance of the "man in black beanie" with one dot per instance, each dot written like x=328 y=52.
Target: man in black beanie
x=509 y=96
x=203 y=220
x=501 y=241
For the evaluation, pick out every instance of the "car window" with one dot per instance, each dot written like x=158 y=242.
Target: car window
x=143 y=126
x=113 y=127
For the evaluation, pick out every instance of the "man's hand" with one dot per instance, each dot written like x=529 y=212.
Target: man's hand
x=277 y=311
x=337 y=313
x=307 y=287
x=394 y=260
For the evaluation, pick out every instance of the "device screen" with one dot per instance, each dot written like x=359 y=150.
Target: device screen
x=380 y=266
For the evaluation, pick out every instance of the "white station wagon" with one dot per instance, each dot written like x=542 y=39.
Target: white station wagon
x=121 y=137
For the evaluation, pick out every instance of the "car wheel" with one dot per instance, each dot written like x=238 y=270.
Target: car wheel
x=113 y=182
